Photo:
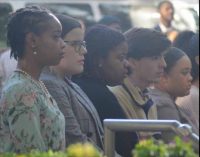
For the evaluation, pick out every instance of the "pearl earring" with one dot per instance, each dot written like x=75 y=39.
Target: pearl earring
x=34 y=52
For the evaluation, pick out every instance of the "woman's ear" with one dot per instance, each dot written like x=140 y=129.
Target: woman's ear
x=31 y=40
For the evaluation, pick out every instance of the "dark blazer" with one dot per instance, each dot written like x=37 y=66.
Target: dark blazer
x=108 y=108
x=81 y=118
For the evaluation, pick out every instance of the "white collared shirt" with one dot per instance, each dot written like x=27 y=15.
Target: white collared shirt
x=165 y=29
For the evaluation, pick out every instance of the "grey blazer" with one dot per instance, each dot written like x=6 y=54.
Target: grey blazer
x=167 y=110
x=82 y=119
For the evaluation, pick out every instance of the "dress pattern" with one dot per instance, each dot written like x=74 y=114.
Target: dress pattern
x=29 y=117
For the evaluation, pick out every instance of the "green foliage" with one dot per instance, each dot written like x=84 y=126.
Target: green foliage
x=146 y=148
x=152 y=148
x=76 y=150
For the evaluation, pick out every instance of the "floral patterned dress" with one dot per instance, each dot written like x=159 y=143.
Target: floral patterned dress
x=29 y=117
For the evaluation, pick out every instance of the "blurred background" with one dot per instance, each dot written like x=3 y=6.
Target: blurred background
x=132 y=13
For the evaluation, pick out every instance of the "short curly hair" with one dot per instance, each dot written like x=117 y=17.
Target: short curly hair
x=29 y=19
x=164 y=2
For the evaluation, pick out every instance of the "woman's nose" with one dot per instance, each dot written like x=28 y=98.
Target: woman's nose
x=126 y=63
x=190 y=77
x=63 y=44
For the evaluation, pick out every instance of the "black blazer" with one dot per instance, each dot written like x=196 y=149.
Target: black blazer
x=108 y=108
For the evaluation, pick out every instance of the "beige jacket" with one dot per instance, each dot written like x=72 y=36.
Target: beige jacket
x=134 y=102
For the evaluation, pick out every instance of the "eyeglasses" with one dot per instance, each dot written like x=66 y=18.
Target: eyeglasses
x=77 y=45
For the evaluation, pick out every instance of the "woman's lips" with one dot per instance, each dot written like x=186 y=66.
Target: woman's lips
x=82 y=61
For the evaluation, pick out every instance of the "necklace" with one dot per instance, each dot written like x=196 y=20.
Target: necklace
x=38 y=83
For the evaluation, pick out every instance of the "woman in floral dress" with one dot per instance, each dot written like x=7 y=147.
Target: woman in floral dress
x=29 y=116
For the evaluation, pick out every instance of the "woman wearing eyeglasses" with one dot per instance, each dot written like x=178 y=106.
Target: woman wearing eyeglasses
x=82 y=120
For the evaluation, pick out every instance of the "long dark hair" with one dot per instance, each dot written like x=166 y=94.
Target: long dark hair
x=100 y=40
x=172 y=55
x=68 y=23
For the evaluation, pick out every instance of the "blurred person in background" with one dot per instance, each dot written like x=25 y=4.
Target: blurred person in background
x=175 y=82
x=112 y=22
x=82 y=120
x=166 y=11
x=146 y=60
x=188 y=41
x=106 y=65
x=7 y=66
x=29 y=117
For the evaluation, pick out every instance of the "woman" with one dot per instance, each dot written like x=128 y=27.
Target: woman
x=188 y=41
x=82 y=120
x=106 y=64
x=175 y=82
x=30 y=118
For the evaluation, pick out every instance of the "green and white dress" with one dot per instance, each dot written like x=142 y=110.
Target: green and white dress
x=29 y=117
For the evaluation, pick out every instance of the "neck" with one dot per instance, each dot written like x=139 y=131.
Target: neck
x=30 y=67
x=140 y=83
x=165 y=23
x=162 y=88
x=58 y=72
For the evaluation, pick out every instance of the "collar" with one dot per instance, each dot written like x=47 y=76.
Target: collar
x=140 y=97
x=165 y=29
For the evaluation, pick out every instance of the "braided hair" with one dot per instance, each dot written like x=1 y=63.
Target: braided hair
x=29 y=19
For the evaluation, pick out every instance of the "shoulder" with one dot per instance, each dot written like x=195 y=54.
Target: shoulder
x=119 y=92
x=53 y=82
x=161 y=99
x=91 y=87
x=18 y=91
x=47 y=76
x=116 y=90
x=17 y=84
